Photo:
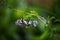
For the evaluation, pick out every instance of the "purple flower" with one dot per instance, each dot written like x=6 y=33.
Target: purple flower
x=19 y=22
x=28 y=22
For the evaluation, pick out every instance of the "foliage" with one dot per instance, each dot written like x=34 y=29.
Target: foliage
x=48 y=27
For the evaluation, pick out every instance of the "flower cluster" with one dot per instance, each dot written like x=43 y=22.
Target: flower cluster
x=27 y=22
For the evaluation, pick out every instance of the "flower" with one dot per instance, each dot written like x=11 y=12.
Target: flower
x=35 y=23
x=19 y=22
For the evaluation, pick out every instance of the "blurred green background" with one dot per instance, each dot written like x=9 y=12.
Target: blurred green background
x=11 y=10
